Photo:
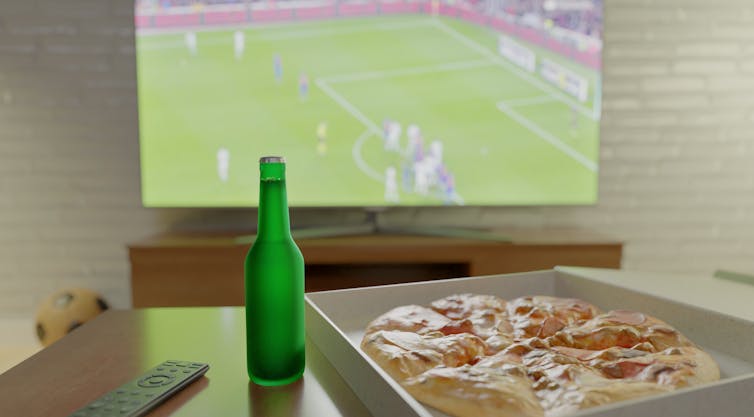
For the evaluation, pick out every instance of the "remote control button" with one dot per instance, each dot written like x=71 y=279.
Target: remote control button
x=161 y=368
x=120 y=391
x=155 y=380
x=186 y=371
x=198 y=365
x=173 y=370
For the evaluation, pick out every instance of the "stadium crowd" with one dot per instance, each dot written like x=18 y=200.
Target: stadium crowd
x=584 y=17
x=579 y=16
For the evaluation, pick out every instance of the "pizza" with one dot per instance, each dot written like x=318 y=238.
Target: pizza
x=474 y=355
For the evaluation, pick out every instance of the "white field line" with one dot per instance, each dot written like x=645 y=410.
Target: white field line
x=370 y=75
x=515 y=70
x=347 y=106
x=372 y=129
x=547 y=137
x=529 y=101
x=363 y=166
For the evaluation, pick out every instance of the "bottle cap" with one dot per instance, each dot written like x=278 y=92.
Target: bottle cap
x=272 y=160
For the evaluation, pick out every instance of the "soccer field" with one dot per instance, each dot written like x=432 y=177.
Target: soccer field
x=508 y=137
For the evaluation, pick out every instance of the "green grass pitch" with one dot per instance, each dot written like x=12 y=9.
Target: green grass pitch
x=508 y=137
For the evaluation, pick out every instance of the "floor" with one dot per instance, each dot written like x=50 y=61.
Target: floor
x=17 y=342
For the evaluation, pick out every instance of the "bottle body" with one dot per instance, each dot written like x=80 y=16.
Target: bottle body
x=274 y=284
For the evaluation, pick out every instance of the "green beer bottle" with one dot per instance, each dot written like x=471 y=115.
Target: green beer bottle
x=274 y=278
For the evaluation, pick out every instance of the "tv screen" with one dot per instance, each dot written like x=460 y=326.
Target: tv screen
x=372 y=103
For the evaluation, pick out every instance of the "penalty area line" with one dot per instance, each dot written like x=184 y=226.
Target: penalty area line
x=588 y=112
x=348 y=107
x=547 y=136
x=370 y=125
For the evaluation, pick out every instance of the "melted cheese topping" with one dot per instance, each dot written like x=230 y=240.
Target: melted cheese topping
x=476 y=355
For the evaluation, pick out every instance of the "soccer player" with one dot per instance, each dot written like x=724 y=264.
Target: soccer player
x=450 y=189
x=223 y=163
x=238 y=43
x=407 y=174
x=277 y=67
x=433 y=160
x=386 y=129
x=391 y=185
x=416 y=148
x=435 y=149
x=322 y=138
x=190 y=38
x=393 y=142
x=421 y=180
x=414 y=140
x=430 y=167
x=413 y=132
x=303 y=86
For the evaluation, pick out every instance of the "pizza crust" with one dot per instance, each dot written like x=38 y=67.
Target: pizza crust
x=411 y=318
x=476 y=391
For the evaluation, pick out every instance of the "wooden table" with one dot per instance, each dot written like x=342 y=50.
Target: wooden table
x=120 y=345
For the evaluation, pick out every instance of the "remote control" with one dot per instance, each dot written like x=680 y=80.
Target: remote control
x=137 y=397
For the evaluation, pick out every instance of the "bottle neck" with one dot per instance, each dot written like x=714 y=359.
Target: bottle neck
x=274 y=223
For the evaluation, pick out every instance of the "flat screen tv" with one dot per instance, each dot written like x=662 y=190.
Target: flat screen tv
x=372 y=103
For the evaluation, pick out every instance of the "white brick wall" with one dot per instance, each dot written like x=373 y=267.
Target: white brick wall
x=69 y=183
x=677 y=158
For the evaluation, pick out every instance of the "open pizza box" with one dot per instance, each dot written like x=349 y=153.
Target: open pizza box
x=336 y=321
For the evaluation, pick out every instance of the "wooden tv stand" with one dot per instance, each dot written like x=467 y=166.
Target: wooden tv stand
x=206 y=269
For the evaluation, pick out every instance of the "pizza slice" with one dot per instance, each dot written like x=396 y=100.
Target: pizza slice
x=676 y=367
x=405 y=354
x=564 y=383
x=482 y=315
x=622 y=328
x=475 y=391
x=543 y=316
x=410 y=318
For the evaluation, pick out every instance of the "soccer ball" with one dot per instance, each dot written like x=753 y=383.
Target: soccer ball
x=66 y=310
